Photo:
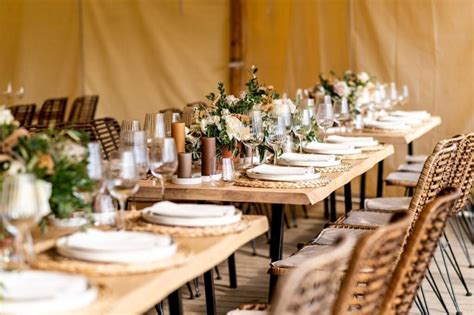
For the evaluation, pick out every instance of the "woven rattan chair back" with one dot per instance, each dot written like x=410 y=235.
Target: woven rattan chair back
x=311 y=288
x=420 y=247
x=86 y=128
x=107 y=131
x=371 y=268
x=188 y=112
x=32 y=129
x=83 y=108
x=24 y=114
x=52 y=111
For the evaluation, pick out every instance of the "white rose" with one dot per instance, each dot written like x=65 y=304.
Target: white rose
x=243 y=94
x=44 y=190
x=232 y=127
x=342 y=89
x=231 y=99
x=363 y=77
x=73 y=151
x=6 y=117
x=16 y=167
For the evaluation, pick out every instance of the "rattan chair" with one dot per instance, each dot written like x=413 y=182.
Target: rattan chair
x=107 y=131
x=83 y=108
x=86 y=128
x=417 y=254
x=24 y=114
x=188 y=112
x=52 y=111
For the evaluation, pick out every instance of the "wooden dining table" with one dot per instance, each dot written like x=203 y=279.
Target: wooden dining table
x=134 y=294
x=277 y=197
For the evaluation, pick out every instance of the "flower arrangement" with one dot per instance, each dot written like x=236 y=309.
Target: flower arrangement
x=58 y=158
x=352 y=86
x=226 y=118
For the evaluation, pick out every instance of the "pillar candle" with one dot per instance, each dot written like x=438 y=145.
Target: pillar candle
x=178 y=132
x=208 y=156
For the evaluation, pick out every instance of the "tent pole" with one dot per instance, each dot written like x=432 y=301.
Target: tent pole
x=236 y=47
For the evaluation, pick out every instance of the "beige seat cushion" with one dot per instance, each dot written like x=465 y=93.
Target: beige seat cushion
x=416 y=158
x=300 y=256
x=329 y=235
x=368 y=218
x=247 y=312
x=403 y=177
x=411 y=167
x=388 y=203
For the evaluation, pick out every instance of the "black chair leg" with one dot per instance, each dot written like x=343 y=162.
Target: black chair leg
x=326 y=209
x=190 y=290
x=305 y=211
x=253 y=243
x=196 y=287
x=210 y=293
x=218 y=274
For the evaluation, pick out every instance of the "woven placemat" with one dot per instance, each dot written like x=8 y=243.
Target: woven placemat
x=360 y=156
x=373 y=148
x=52 y=260
x=245 y=181
x=343 y=167
x=136 y=223
x=379 y=130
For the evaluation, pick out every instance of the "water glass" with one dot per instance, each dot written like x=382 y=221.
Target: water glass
x=228 y=171
x=163 y=160
x=154 y=126
x=256 y=134
x=277 y=135
x=341 y=113
x=324 y=118
x=132 y=125
x=140 y=153
x=301 y=125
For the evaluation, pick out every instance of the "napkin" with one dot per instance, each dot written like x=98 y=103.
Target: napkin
x=281 y=170
x=417 y=113
x=328 y=146
x=401 y=119
x=190 y=210
x=387 y=125
x=356 y=141
x=300 y=157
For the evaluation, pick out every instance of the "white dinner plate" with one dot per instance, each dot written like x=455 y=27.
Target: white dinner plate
x=283 y=178
x=351 y=151
x=335 y=162
x=192 y=222
x=186 y=181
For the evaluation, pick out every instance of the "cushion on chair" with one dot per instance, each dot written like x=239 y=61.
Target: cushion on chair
x=416 y=158
x=411 y=167
x=408 y=179
x=329 y=235
x=368 y=218
x=388 y=203
x=247 y=312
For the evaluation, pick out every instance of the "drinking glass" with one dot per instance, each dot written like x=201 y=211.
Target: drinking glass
x=132 y=125
x=256 y=135
x=277 y=135
x=341 y=113
x=163 y=160
x=122 y=180
x=20 y=212
x=301 y=125
x=324 y=118
x=228 y=171
x=140 y=153
x=154 y=126
x=95 y=173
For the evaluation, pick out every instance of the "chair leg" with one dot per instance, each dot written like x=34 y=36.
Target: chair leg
x=253 y=243
x=159 y=308
x=196 y=287
x=190 y=290
x=293 y=216
x=448 y=250
x=218 y=274
x=326 y=208
x=287 y=222
x=436 y=291
x=457 y=230
x=447 y=283
x=305 y=211
x=232 y=271
x=210 y=293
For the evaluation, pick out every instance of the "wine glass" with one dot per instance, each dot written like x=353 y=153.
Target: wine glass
x=95 y=173
x=163 y=160
x=256 y=135
x=140 y=153
x=341 y=113
x=122 y=180
x=154 y=126
x=277 y=135
x=131 y=125
x=324 y=118
x=301 y=125
x=20 y=212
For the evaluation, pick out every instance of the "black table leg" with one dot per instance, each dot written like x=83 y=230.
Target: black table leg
x=410 y=148
x=232 y=271
x=380 y=179
x=326 y=208
x=348 y=197
x=276 y=241
x=210 y=293
x=175 y=304
x=362 y=191
x=332 y=201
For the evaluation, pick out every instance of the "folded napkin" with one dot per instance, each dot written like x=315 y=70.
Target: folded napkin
x=190 y=210
x=328 y=146
x=301 y=157
x=356 y=141
x=418 y=113
x=281 y=170
x=402 y=119
x=387 y=125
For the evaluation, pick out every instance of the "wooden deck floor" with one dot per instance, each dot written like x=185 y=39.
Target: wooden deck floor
x=253 y=278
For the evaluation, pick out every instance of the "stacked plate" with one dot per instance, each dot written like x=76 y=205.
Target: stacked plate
x=282 y=173
x=420 y=114
x=331 y=148
x=358 y=142
x=387 y=125
x=124 y=247
x=36 y=292
x=191 y=215
x=314 y=160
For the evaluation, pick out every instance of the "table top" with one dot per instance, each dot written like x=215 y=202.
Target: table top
x=300 y=196
x=399 y=137
x=137 y=293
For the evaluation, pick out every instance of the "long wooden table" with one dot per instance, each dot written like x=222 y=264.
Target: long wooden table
x=138 y=293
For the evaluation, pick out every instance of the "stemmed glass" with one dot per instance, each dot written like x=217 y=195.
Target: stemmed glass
x=324 y=118
x=140 y=153
x=20 y=212
x=154 y=126
x=163 y=160
x=301 y=125
x=256 y=135
x=122 y=180
x=277 y=135
x=95 y=172
x=341 y=113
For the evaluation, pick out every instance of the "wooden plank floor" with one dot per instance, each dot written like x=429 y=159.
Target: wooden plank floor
x=253 y=278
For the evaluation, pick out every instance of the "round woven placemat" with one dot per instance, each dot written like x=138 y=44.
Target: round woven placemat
x=51 y=260
x=359 y=156
x=380 y=130
x=373 y=148
x=245 y=181
x=343 y=167
x=136 y=223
